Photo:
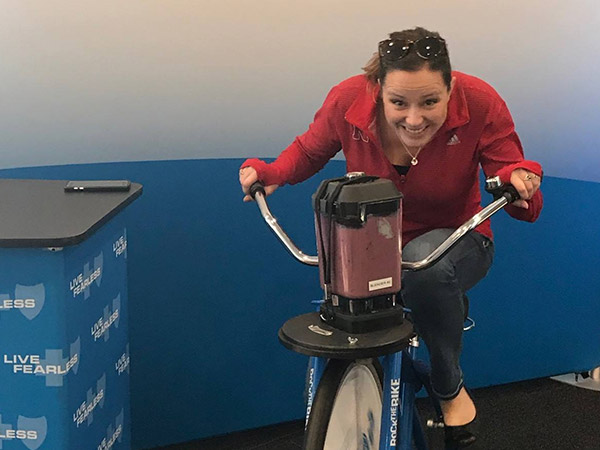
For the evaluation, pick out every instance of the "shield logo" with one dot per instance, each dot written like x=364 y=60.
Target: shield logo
x=3 y=297
x=89 y=398
x=36 y=292
x=37 y=424
x=120 y=422
x=87 y=271
x=127 y=352
x=117 y=306
x=101 y=386
x=75 y=350
x=98 y=263
x=106 y=317
x=125 y=236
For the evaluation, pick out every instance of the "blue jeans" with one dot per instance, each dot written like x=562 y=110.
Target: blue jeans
x=435 y=296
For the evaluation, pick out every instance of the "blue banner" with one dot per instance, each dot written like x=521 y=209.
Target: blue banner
x=64 y=368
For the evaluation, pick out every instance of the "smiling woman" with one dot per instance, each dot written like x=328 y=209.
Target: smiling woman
x=411 y=119
x=414 y=108
x=413 y=70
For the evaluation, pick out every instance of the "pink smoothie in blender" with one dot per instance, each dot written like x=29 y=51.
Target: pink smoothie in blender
x=363 y=220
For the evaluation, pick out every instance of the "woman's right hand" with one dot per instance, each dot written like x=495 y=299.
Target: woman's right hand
x=248 y=177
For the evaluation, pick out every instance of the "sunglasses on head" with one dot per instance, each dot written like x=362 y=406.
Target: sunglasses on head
x=427 y=48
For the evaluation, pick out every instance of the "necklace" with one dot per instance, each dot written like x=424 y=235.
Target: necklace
x=414 y=161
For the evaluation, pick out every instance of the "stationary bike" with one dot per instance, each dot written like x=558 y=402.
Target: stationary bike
x=363 y=373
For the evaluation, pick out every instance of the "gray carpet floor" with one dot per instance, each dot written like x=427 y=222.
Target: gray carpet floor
x=536 y=414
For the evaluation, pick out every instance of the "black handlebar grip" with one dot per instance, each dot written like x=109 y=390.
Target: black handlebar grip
x=256 y=187
x=498 y=189
x=510 y=193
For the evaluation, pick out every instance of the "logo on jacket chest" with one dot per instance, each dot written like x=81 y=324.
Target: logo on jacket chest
x=359 y=135
x=454 y=140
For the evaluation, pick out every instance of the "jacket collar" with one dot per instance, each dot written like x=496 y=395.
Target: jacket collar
x=362 y=111
x=458 y=110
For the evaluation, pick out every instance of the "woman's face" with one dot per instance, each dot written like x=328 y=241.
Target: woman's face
x=415 y=104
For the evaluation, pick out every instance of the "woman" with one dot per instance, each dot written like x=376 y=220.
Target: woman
x=410 y=119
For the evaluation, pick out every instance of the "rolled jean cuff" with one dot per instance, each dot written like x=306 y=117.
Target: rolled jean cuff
x=451 y=396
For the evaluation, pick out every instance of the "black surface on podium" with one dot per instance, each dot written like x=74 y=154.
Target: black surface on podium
x=39 y=213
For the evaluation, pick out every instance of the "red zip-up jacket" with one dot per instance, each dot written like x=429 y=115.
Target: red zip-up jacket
x=442 y=190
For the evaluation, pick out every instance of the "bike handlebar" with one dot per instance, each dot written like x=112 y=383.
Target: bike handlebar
x=503 y=195
x=257 y=191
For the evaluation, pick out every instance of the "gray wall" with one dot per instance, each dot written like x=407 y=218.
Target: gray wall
x=117 y=80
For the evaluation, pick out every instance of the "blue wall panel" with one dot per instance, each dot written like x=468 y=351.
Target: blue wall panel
x=209 y=287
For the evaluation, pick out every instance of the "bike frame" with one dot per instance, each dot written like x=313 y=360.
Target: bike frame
x=399 y=420
x=401 y=381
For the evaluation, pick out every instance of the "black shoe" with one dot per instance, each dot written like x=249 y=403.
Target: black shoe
x=460 y=436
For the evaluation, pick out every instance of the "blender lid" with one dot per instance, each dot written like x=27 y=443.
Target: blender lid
x=358 y=197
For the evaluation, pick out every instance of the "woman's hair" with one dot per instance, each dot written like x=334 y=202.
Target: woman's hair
x=376 y=71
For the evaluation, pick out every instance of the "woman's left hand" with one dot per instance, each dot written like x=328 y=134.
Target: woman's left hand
x=526 y=183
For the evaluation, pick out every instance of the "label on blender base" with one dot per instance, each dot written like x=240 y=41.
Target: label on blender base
x=380 y=284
